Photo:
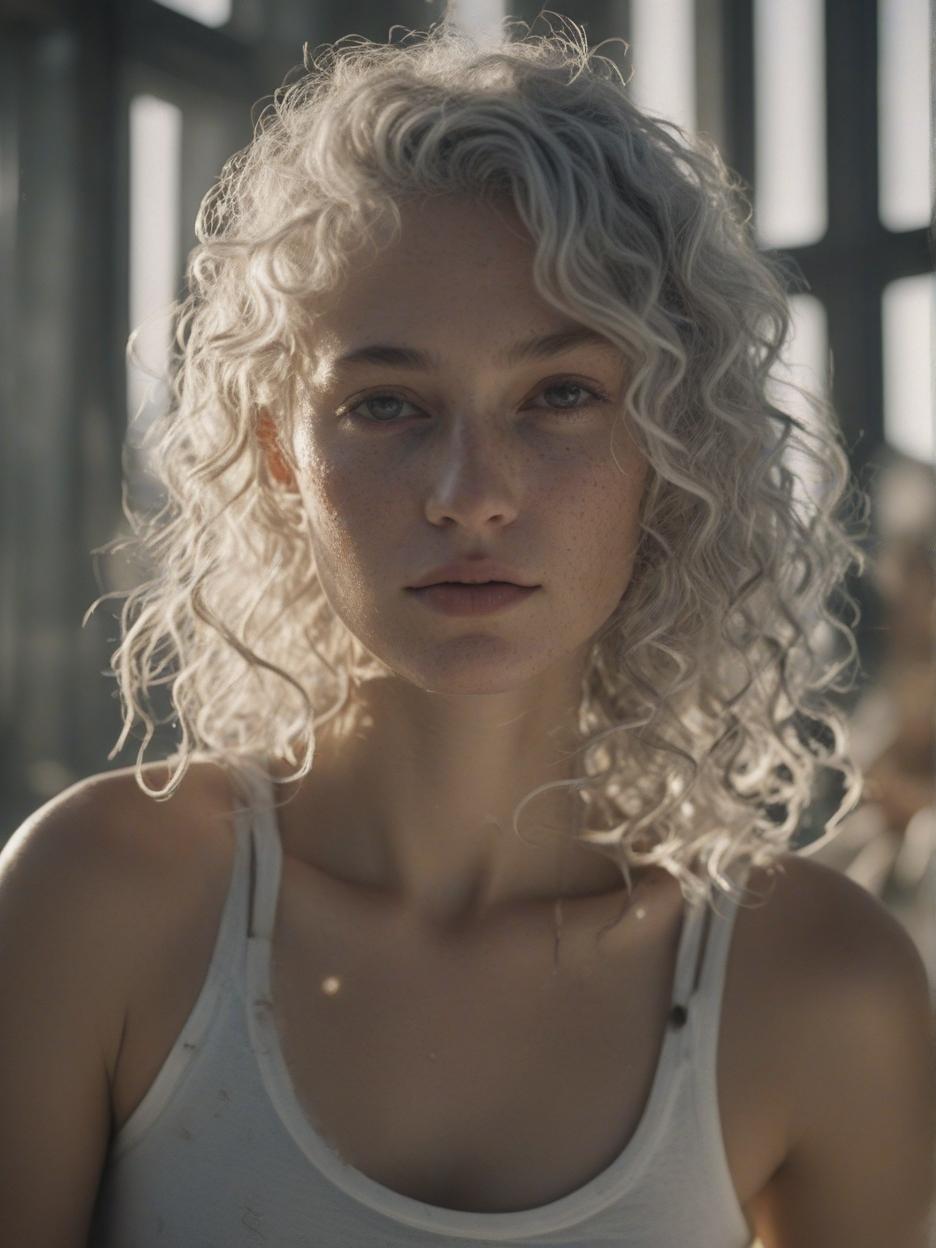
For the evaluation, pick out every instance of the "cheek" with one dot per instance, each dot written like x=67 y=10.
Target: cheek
x=605 y=521
x=348 y=521
x=325 y=501
x=323 y=484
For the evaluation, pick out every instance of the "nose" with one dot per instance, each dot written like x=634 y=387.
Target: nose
x=472 y=483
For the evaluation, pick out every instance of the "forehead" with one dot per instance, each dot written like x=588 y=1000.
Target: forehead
x=457 y=282
x=448 y=252
x=460 y=230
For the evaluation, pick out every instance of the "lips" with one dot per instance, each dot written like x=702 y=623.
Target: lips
x=458 y=598
x=473 y=572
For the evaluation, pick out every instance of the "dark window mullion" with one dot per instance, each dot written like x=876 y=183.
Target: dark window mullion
x=853 y=297
x=737 y=27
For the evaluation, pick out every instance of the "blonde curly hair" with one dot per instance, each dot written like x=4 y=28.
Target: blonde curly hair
x=704 y=712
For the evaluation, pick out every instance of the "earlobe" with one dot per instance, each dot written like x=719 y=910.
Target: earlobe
x=269 y=441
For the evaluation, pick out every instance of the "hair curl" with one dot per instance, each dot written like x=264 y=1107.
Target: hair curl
x=704 y=713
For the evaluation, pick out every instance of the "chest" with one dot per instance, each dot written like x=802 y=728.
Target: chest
x=470 y=1073
x=473 y=1075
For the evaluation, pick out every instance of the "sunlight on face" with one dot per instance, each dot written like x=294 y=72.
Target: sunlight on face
x=455 y=445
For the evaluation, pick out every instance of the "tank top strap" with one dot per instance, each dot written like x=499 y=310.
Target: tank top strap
x=266 y=850
x=719 y=925
x=703 y=950
x=690 y=941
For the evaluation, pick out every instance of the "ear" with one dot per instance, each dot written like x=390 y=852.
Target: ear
x=269 y=441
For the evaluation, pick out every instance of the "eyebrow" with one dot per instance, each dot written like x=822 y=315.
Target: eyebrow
x=529 y=349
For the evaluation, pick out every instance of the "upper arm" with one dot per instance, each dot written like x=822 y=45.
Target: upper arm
x=861 y=1168
x=59 y=1025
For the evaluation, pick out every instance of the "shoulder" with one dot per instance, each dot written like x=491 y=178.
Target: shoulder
x=856 y=1055
x=96 y=863
x=871 y=974
x=104 y=837
x=827 y=949
x=111 y=832
x=834 y=930
x=858 y=1061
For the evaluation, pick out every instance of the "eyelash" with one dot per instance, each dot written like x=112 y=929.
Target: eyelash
x=597 y=395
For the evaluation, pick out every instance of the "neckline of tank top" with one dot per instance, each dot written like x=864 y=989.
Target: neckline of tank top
x=594 y=1195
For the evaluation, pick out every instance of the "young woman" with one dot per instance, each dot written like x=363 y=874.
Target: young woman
x=478 y=500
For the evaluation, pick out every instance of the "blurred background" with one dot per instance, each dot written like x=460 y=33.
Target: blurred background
x=115 y=118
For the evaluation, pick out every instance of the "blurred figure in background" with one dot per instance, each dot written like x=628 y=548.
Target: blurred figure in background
x=888 y=845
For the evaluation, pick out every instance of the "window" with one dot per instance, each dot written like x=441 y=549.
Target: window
x=208 y=12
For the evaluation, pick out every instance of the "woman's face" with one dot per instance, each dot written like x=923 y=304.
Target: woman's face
x=403 y=468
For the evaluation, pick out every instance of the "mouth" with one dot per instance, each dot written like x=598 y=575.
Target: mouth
x=478 y=598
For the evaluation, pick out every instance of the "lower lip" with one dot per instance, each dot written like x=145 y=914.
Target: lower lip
x=473 y=599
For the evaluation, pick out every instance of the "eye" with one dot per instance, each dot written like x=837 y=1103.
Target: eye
x=569 y=384
x=387 y=402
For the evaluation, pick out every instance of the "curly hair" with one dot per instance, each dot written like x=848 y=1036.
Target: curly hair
x=704 y=710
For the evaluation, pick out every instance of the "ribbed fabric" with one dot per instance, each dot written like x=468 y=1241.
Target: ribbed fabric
x=219 y=1153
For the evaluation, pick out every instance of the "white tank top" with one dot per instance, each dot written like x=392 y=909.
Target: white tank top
x=219 y=1153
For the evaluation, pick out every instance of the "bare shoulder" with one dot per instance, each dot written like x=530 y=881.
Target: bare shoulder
x=179 y=847
x=866 y=981
x=104 y=856
x=834 y=932
x=817 y=949
x=854 y=1054
x=117 y=835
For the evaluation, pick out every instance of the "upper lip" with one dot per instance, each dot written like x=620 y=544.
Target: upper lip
x=472 y=572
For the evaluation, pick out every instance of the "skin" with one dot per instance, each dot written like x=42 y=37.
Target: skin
x=473 y=712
